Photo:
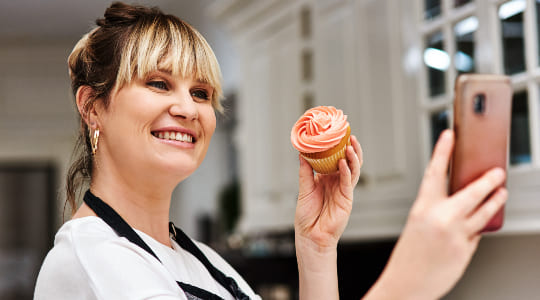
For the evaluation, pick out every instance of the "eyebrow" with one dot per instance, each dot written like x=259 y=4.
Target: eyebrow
x=162 y=71
x=170 y=74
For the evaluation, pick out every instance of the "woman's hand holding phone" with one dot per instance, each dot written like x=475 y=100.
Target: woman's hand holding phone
x=482 y=118
x=442 y=231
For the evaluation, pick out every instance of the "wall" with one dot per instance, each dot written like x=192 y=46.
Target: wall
x=504 y=267
x=37 y=117
x=37 y=114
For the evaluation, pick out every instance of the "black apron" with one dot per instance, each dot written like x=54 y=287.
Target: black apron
x=115 y=221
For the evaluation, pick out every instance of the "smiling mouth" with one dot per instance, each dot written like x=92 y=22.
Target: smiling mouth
x=174 y=136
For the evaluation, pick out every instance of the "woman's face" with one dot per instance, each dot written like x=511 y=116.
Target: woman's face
x=161 y=126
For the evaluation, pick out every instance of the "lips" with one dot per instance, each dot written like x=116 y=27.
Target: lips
x=174 y=136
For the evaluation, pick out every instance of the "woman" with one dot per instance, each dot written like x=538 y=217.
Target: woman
x=147 y=86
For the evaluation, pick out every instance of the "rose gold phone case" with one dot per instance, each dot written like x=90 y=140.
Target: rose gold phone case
x=481 y=138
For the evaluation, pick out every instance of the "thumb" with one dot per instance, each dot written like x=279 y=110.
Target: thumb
x=306 y=180
x=434 y=181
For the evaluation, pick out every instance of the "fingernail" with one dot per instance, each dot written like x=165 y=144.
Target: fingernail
x=498 y=173
x=446 y=134
x=504 y=193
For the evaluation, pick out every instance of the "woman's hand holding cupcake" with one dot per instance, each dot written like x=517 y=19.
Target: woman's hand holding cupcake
x=324 y=200
x=321 y=135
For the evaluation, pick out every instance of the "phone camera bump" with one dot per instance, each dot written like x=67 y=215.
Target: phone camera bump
x=479 y=103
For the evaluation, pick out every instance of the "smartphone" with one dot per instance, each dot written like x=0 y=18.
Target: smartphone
x=482 y=114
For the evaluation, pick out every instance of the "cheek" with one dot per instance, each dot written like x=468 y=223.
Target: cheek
x=210 y=122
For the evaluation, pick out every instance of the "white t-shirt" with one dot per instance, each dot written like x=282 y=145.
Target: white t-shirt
x=90 y=261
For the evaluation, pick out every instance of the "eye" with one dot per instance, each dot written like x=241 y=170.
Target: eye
x=158 y=84
x=201 y=94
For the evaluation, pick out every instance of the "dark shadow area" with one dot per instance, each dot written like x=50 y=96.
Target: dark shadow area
x=273 y=272
x=27 y=197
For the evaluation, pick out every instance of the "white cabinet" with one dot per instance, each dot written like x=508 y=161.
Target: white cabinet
x=364 y=57
x=357 y=50
x=268 y=106
x=353 y=50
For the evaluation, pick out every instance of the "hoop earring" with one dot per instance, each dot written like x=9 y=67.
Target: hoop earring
x=95 y=139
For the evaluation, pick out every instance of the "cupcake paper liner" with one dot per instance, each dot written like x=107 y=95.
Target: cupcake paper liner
x=328 y=162
x=326 y=165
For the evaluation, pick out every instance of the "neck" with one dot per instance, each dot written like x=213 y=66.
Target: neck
x=143 y=205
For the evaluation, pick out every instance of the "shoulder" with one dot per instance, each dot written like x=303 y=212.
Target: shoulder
x=84 y=228
x=76 y=236
x=84 y=239
x=88 y=255
x=71 y=273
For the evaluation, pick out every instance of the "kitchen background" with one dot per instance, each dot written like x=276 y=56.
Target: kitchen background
x=389 y=64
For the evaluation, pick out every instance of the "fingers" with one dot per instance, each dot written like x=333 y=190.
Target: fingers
x=349 y=170
x=487 y=210
x=441 y=155
x=357 y=149
x=434 y=181
x=473 y=194
x=345 y=177
x=355 y=159
x=306 y=177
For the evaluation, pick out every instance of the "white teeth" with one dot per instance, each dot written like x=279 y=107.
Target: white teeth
x=177 y=136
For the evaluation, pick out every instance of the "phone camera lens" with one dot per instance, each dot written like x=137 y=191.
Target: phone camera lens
x=479 y=103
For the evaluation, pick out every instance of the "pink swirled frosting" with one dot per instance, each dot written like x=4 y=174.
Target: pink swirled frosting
x=319 y=129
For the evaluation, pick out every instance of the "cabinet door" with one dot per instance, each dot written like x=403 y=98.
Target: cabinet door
x=358 y=69
x=269 y=107
x=356 y=46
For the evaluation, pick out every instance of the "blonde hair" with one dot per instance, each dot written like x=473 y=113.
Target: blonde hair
x=130 y=42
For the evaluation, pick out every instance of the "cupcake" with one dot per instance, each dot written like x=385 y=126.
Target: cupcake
x=321 y=135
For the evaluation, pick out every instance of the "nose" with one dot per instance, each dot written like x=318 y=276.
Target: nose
x=184 y=107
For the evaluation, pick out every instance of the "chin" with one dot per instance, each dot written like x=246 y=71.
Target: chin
x=180 y=171
x=176 y=166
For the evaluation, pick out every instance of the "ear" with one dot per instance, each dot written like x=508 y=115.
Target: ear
x=87 y=106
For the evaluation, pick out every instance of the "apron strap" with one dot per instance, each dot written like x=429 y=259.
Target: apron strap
x=194 y=293
x=115 y=221
x=185 y=242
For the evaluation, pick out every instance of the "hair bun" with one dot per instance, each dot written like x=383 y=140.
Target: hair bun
x=120 y=13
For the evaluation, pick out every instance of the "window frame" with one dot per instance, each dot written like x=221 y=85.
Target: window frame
x=487 y=39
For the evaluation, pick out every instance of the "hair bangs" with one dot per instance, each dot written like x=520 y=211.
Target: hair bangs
x=173 y=46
